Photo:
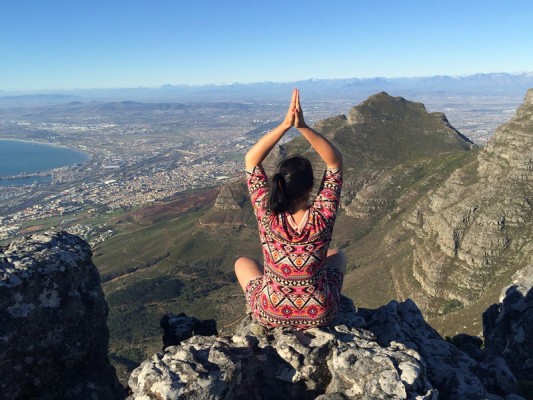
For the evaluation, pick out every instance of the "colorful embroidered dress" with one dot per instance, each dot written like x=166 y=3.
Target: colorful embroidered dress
x=297 y=289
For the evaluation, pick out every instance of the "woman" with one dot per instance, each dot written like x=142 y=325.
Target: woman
x=301 y=280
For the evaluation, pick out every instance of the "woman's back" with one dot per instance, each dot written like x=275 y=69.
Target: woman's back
x=300 y=282
x=297 y=289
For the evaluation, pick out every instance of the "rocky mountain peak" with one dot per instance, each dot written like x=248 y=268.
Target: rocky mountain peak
x=384 y=141
x=382 y=105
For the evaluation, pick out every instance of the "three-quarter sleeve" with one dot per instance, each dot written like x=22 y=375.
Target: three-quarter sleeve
x=257 y=182
x=329 y=193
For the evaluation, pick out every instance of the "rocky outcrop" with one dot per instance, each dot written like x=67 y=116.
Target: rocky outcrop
x=389 y=353
x=231 y=208
x=508 y=326
x=54 y=340
x=478 y=224
x=53 y=332
x=177 y=328
x=231 y=197
x=282 y=363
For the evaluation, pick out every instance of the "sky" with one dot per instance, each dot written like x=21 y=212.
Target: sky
x=79 y=44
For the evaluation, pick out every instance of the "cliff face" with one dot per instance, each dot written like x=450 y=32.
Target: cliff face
x=478 y=225
x=53 y=332
x=508 y=326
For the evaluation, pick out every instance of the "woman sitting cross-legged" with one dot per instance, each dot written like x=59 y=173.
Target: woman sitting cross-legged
x=300 y=282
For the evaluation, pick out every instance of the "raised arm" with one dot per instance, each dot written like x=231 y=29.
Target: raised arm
x=262 y=148
x=331 y=156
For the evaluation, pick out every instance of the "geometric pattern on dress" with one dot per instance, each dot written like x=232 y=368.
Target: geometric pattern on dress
x=296 y=290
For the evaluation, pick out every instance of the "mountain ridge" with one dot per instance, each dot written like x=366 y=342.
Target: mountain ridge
x=477 y=84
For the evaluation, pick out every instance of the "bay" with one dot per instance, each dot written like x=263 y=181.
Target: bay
x=25 y=157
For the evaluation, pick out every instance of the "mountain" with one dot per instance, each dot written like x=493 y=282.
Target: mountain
x=388 y=144
x=36 y=99
x=421 y=217
x=353 y=89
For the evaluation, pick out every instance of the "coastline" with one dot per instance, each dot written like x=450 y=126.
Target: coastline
x=46 y=171
x=43 y=143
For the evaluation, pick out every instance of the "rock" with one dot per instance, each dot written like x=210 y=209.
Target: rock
x=388 y=353
x=177 y=328
x=508 y=326
x=54 y=344
x=230 y=198
x=53 y=332
x=471 y=345
x=337 y=362
x=452 y=372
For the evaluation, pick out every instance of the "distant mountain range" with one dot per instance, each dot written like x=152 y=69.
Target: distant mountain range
x=314 y=89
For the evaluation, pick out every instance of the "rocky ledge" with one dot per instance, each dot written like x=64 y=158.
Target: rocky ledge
x=388 y=353
x=54 y=342
x=53 y=322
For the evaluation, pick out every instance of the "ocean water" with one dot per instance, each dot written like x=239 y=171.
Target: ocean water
x=17 y=156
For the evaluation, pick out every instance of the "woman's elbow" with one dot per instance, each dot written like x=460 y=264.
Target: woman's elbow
x=250 y=161
x=337 y=163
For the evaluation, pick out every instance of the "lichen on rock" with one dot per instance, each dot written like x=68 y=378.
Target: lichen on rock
x=388 y=353
x=53 y=315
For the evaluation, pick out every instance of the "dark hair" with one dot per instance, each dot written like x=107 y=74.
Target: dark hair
x=293 y=180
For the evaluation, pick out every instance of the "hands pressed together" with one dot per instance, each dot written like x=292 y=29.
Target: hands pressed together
x=295 y=115
x=294 y=118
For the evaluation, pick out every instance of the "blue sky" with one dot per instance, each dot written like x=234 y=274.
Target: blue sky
x=68 y=44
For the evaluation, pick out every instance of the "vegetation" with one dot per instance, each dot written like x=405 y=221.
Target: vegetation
x=451 y=306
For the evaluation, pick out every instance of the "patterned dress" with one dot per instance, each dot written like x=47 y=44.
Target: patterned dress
x=296 y=289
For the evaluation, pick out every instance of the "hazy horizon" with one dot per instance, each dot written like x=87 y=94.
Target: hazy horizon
x=228 y=84
x=75 y=45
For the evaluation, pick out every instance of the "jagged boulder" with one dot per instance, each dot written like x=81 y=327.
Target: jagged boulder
x=508 y=326
x=53 y=332
x=454 y=373
x=389 y=353
x=177 y=328
x=257 y=363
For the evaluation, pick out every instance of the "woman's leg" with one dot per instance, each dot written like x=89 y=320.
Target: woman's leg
x=336 y=259
x=247 y=269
